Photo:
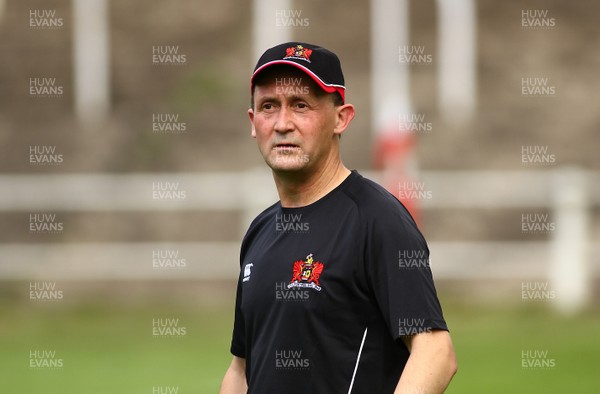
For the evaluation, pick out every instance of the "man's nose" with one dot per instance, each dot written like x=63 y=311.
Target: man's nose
x=284 y=123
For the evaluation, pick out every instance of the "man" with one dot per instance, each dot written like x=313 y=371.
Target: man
x=335 y=294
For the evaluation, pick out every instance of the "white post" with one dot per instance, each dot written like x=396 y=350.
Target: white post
x=266 y=32
x=91 y=60
x=456 y=59
x=569 y=271
x=390 y=92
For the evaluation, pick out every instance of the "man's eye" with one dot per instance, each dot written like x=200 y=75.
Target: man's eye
x=301 y=105
x=267 y=106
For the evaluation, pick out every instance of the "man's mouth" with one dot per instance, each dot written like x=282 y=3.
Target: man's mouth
x=287 y=148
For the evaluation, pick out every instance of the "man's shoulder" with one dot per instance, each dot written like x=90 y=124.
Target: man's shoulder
x=378 y=207
x=371 y=197
x=264 y=216
x=257 y=224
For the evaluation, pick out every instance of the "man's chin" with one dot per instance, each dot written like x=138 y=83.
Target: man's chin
x=279 y=167
x=296 y=162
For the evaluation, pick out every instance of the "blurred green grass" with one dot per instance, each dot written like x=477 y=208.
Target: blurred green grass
x=109 y=348
x=489 y=342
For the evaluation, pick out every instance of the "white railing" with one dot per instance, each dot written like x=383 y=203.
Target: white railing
x=568 y=260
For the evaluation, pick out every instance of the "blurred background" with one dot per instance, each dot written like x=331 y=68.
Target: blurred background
x=128 y=177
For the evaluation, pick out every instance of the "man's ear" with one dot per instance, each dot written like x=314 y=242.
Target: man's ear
x=251 y=116
x=345 y=114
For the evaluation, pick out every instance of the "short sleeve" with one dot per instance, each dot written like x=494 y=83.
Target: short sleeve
x=238 y=340
x=398 y=272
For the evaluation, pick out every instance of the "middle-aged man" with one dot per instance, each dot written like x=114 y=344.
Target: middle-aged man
x=335 y=294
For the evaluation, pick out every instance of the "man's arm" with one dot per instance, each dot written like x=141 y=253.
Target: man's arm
x=234 y=381
x=431 y=364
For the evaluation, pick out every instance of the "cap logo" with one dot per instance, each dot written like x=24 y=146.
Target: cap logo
x=298 y=52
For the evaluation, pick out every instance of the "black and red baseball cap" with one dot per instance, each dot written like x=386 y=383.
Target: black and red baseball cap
x=322 y=65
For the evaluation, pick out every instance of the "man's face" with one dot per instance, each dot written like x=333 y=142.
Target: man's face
x=296 y=127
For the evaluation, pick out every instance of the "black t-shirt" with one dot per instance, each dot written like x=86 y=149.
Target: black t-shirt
x=326 y=291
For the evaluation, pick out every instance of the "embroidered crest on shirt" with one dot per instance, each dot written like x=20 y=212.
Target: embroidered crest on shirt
x=306 y=273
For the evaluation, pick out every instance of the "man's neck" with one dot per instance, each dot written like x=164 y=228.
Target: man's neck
x=299 y=189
